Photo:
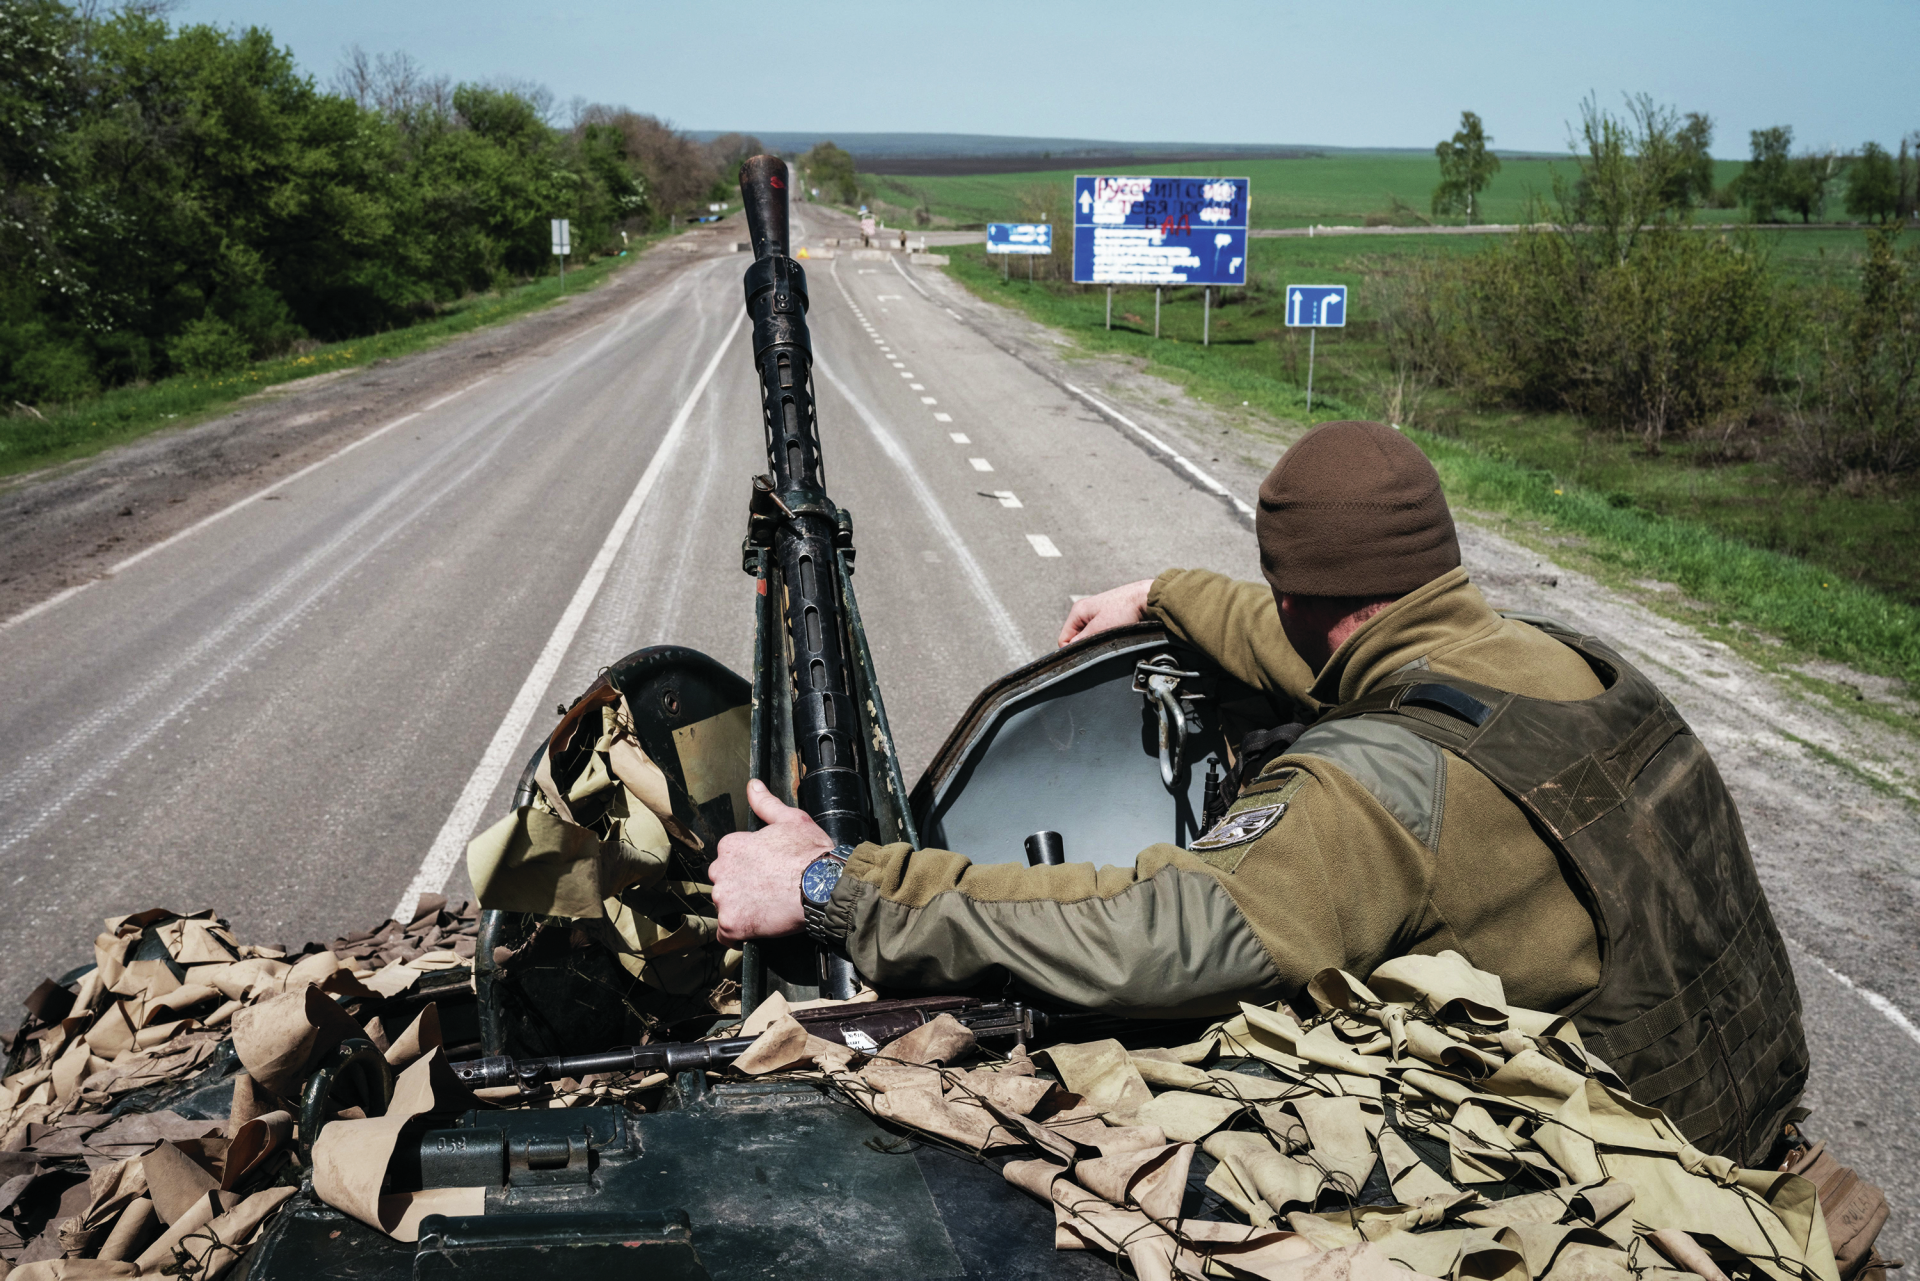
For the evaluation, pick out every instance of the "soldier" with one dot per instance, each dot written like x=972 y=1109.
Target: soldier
x=1500 y=787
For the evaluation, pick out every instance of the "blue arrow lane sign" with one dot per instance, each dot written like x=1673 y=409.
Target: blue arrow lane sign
x=1316 y=306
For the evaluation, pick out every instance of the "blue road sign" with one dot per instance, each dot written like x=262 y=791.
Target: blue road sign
x=1160 y=231
x=1317 y=306
x=1019 y=238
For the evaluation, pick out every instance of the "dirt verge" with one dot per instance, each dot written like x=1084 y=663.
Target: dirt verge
x=65 y=525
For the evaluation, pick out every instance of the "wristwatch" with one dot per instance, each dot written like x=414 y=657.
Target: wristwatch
x=817 y=880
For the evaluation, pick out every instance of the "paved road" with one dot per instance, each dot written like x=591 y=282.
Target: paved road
x=276 y=715
x=281 y=714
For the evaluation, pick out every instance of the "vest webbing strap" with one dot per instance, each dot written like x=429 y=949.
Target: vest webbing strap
x=1666 y=1018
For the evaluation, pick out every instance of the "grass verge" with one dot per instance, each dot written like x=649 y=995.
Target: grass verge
x=86 y=427
x=1813 y=609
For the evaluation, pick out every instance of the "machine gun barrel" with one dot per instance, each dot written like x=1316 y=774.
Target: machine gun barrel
x=807 y=527
x=861 y=1027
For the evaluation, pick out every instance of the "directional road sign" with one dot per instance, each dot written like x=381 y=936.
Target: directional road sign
x=562 y=236
x=1160 y=231
x=1019 y=238
x=1317 y=306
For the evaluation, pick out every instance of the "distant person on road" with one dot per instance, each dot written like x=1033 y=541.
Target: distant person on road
x=1499 y=787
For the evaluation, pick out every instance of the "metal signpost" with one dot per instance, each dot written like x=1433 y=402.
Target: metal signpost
x=1313 y=308
x=1160 y=231
x=1029 y=238
x=562 y=246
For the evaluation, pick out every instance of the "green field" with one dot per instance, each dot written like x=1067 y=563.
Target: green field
x=1332 y=190
x=1827 y=569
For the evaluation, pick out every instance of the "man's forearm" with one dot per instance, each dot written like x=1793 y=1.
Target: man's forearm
x=1163 y=938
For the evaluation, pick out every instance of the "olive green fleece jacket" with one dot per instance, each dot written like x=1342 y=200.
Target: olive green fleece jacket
x=1363 y=843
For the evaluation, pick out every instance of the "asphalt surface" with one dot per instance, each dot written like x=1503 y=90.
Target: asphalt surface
x=299 y=712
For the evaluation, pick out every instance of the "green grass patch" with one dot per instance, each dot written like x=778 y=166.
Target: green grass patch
x=67 y=432
x=1685 y=518
x=1330 y=190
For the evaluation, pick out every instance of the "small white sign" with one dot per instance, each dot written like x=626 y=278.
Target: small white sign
x=714 y=208
x=562 y=237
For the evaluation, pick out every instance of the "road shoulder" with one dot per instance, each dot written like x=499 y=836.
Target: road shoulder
x=68 y=525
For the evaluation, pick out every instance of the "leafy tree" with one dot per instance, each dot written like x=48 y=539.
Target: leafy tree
x=183 y=199
x=1765 y=186
x=1808 y=180
x=831 y=169
x=1616 y=310
x=729 y=151
x=1873 y=185
x=1694 y=183
x=1466 y=167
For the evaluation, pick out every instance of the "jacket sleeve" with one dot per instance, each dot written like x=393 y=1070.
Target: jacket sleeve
x=1234 y=623
x=1332 y=880
x=1161 y=938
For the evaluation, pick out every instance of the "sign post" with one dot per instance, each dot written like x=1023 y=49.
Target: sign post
x=1029 y=238
x=562 y=246
x=1313 y=308
x=1161 y=231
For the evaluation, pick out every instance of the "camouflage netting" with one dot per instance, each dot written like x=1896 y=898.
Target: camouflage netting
x=1419 y=1125
x=90 y=1175
x=1459 y=1136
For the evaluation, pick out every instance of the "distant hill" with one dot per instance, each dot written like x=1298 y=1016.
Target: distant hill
x=933 y=154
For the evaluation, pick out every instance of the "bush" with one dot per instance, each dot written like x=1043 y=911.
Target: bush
x=208 y=346
x=1860 y=402
x=1618 y=310
x=52 y=373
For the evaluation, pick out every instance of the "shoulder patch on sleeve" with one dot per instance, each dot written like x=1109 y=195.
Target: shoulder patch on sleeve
x=1226 y=844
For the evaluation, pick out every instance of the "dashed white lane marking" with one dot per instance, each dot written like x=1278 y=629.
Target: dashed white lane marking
x=943 y=418
x=928 y=400
x=1893 y=1013
x=1042 y=546
x=980 y=464
x=996 y=612
x=905 y=374
x=1207 y=482
x=951 y=312
x=452 y=839
x=1006 y=498
x=959 y=438
x=917 y=387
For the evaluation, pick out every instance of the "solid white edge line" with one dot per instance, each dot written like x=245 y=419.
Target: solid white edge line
x=909 y=279
x=451 y=842
x=1179 y=460
x=254 y=497
x=1165 y=448
x=1893 y=1013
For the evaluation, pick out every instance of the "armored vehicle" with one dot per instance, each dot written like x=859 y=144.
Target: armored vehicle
x=603 y=1137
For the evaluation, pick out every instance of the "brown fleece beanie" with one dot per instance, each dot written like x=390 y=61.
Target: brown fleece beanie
x=1354 y=509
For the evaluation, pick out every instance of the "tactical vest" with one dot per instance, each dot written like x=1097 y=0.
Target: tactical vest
x=1696 y=1006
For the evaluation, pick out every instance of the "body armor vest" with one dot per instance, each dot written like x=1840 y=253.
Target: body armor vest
x=1696 y=1007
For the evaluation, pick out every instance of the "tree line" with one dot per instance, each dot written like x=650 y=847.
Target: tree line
x=1613 y=303
x=183 y=199
x=1774 y=185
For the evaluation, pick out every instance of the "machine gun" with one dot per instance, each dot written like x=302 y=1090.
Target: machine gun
x=863 y=1027
x=816 y=745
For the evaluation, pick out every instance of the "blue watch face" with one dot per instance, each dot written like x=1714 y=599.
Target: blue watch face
x=818 y=880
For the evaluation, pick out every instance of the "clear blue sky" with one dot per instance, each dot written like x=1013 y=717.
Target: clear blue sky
x=1380 y=73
